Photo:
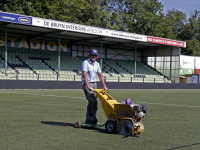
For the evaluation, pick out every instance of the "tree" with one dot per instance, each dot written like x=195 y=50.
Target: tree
x=95 y=14
x=142 y=16
x=193 y=48
x=64 y=10
x=176 y=20
x=15 y=6
x=114 y=15
x=191 y=34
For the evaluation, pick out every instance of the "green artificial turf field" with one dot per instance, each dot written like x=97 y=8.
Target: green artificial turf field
x=44 y=120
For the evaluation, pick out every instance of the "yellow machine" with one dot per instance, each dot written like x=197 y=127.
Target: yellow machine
x=125 y=119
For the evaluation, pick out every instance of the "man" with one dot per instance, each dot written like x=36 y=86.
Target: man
x=90 y=70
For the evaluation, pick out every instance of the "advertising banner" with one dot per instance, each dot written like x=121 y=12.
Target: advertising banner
x=197 y=71
x=189 y=65
x=104 y=32
x=186 y=65
x=87 y=29
x=197 y=65
x=8 y=17
x=166 y=41
x=184 y=71
x=197 y=62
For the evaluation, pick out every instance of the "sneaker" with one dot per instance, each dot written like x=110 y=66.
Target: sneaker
x=94 y=121
x=89 y=121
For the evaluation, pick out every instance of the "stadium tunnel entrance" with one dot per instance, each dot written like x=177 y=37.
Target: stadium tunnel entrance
x=33 y=34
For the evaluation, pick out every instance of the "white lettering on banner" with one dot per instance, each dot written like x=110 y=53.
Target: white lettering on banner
x=166 y=41
x=9 y=18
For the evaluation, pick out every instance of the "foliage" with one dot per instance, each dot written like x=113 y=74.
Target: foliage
x=16 y=6
x=193 y=47
x=191 y=34
x=64 y=10
x=176 y=20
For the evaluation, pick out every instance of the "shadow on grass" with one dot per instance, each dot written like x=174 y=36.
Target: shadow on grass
x=184 y=146
x=103 y=130
x=64 y=124
x=97 y=129
x=53 y=123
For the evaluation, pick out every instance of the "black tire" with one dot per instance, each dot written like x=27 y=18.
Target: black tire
x=111 y=126
x=125 y=127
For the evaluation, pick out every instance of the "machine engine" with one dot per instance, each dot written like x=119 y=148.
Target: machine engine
x=139 y=110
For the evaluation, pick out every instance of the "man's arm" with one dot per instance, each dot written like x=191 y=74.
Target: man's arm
x=102 y=81
x=86 y=80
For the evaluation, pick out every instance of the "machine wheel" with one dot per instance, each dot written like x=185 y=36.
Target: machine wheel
x=125 y=127
x=77 y=125
x=111 y=126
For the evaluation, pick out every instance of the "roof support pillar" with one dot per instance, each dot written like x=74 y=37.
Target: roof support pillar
x=163 y=64
x=170 y=74
x=106 y=53
x=101 y=54
x=30 y=45
x=155 y=59
x=83 y=51
x=135 y=60
x=6 y=50
x=59 y=54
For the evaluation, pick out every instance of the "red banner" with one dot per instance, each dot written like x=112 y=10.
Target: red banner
x=196 y=71
x=166 y=41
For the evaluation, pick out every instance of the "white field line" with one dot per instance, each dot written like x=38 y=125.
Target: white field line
x=85 y=98
x=41 y=95
x=171 y=105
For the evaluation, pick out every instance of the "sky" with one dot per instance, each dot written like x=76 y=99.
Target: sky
x=186 y=6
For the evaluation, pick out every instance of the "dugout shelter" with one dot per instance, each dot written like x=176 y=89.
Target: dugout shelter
x=35 y=34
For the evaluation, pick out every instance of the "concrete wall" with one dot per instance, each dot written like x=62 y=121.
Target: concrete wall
x=26 y=84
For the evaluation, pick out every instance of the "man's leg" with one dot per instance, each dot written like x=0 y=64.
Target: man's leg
x=94 y=103
x=88 y=113
x=91 y=115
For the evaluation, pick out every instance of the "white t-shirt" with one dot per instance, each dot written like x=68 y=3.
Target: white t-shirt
x=92 y=70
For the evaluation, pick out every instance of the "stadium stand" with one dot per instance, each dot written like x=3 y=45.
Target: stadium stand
x=43 y=65
x=116 y=70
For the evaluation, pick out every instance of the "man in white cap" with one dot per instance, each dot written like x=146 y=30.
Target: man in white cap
x=90 y=70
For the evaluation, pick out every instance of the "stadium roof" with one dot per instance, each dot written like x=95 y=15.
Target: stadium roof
x=27 y=27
